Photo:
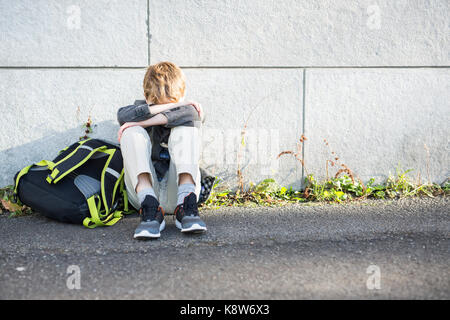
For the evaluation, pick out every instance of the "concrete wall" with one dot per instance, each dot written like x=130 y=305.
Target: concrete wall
x=371 y=77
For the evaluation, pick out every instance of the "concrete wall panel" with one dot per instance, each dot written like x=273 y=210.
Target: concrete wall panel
x=377 y=119
x=300 y=33
x=73 y=33
x=270 y=100
x=43 y=110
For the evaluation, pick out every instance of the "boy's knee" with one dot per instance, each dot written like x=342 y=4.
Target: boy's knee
x=182 y=135
x=135 y=130
x=181 y=129
x=134 y=133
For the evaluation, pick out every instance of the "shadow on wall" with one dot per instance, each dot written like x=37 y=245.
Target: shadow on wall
x=47 y=148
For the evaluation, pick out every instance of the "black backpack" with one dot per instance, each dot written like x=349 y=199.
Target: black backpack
x=83 y=184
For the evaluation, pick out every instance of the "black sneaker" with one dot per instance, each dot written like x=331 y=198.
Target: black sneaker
x=152 y=220
x=187 y=219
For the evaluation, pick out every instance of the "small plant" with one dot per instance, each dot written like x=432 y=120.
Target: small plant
x=343 y=188
x=8 y=204
x=298 y=153
x=266 y=193
x=335 y=189
x=86 y=126
x=343 y=167
x=401 y=185
x=87 y=129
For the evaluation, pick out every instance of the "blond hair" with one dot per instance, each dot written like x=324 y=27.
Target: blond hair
x=164 y=82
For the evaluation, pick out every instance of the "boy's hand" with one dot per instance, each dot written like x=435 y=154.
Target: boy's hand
x=125 y=126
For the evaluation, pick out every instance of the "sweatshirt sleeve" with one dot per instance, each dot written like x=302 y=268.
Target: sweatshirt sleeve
x=182 y=116
x=133 y=113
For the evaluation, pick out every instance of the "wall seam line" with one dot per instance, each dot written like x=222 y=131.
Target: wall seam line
x=315 y=67
x=222 y=67
x=303 y=123
x=148 y=32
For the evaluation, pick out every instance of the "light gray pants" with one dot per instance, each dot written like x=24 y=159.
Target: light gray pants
x=184 y=149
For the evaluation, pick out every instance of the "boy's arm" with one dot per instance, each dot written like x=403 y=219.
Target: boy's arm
x=156 y=120
x=179 y=116
x=158 y=108
x=176 y=113
x=182 y=116
x=133 y=113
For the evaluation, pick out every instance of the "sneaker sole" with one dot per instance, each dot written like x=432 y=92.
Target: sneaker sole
x=145 y=234
x=195 y=228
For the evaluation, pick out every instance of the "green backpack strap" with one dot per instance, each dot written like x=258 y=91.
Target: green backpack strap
x=111 y=177
x=43 y=163
x=74 y=159
x=101 y=217
x=97 y=218
x=102 y=209
x=126 y=208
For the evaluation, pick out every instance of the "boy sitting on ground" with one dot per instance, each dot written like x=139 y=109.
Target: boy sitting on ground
x=160 y=144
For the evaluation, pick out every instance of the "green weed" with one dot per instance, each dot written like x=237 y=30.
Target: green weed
x=8 y=204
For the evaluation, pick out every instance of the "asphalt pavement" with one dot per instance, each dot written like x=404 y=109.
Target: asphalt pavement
x=366 y=250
